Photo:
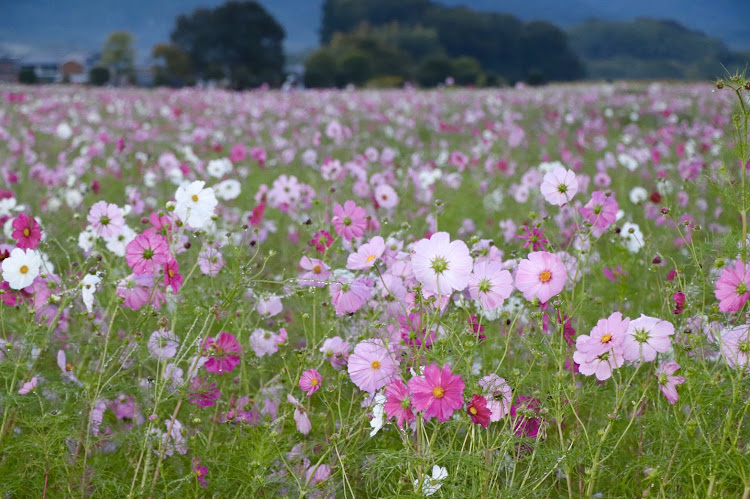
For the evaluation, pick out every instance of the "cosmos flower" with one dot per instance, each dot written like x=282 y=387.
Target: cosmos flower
x=542 y=275
x=440 y=265
x=438 y=393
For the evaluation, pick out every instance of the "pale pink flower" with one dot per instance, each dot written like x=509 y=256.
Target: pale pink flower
x=735 y=346
x=667 y=382
x=440 y=265
x=372 y=365
x=600 y=212
x=350 y=220
x=490 y=283
x=541 y=276
x=732 y=287
x=367 y=254
x=348 y=297
x=645 y=337
x=559 y=186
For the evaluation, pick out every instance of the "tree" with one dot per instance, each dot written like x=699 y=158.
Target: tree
x=320 y=69
x=98 y=76
x=175 y=64
x=239 y=39
x=434 y=70
x=27 y=76
x=119 y=54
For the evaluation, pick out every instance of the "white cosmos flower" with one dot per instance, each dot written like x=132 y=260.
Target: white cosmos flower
x=88 y=287
x=432 y=484
x=64 y=131
x=194 y=204
x=118 y=243
x=378 y=414
x=228 y=189
x=87 y=238
x=633 y=236
x=638 y=194
x=219 y=167
x=21 y=268
x=8 y=206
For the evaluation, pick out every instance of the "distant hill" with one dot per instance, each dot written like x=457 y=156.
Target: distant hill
x=67 y=25
x=650 y=48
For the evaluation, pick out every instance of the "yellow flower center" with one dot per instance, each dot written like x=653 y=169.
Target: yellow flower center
x=606 y=338
x=370 y=258
x=314 y=382
x=473 y=410
x=375 y=364
x=545 y=276
x=68 y=367
x=170 y=273
x=317 y=269
x=26 y=232
x=195 y=198
x=23 y=269
x=438 y=392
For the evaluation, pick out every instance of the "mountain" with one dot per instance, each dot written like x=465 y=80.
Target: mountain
x=59 y=26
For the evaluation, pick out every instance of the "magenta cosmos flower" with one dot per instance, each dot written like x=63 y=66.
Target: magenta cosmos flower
x=223 y=353
x=600 y=211
x=645 y=337
x=735 y=346
x=440 y=265
x=310 y=381
x=438 y=393
x=732 y=287
x=667 y=382
x=397 y=403
x=372 y=365
x=106 y=219
x=146 y=251
x=26 y=232
x=490 y=283
x=366 y=255
x=478 y=411
x=601 y=351
x=541 y=276
x=559 y=186
x=350 y=220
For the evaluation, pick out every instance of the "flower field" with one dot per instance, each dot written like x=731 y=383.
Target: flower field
x=527 y=292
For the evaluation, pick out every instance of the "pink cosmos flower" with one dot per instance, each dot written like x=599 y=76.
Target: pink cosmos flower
x=310 y=381
x=735 y=347
x=163 y=344
x=732 y=287
x=366 y=255
x=541 y=276
x=498 y=394
x=534 y=237
x=265 y=342
x=372 y=365
x=478 y=411
x=210 y=260
x=438 y=393
x=106 y=219
x=397 y=404
x=667 y=382
x=559 y=186
x=321 y=241
x=172 y=276
x=524 y=413
x=336 y=351
x=413 y=333
x=202 y=393
x=223 y=352
x=300 y=416
x=28 y=386
x=386 y=197
x=601 y=351
x=440 y=265
x=27 y=232
x=645 y=337
x=146 y=251
x=238 y=153
x=137 y=290
x=350 y=220
x=490 y=283
x=600 y=211
x=348 y=297
x=313 y=272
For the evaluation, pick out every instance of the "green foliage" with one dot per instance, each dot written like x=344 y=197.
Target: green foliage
x=424 y=30
x=98 y=76
x=27 y=76
x=119 y=54
x=434 y=70
x=175 y=65
x=241 y=38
